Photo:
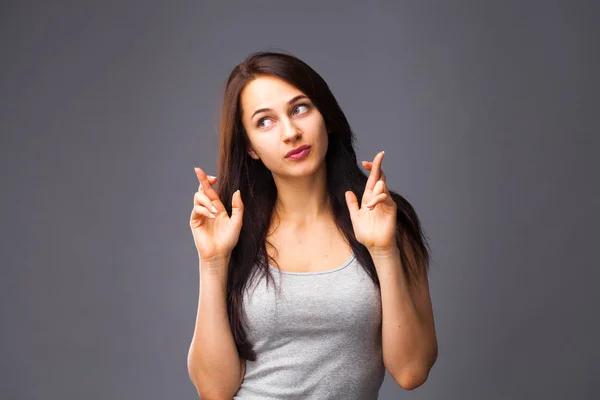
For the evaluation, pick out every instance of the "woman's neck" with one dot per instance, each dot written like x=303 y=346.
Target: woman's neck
x=302 y=202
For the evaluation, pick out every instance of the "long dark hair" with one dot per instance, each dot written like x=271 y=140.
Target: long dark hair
x=237 y=170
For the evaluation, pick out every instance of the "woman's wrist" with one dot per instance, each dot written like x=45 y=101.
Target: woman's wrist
x=383 y=252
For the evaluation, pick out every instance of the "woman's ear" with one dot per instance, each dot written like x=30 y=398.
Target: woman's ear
x=252 y=153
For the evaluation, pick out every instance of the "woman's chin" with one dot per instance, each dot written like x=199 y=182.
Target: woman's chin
x=305 y=171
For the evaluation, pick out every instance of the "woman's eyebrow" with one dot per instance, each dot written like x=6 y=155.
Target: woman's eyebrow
x=301 y=96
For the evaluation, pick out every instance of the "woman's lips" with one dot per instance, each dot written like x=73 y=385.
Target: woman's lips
x=300 y=155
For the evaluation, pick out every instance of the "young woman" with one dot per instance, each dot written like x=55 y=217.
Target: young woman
x=306 y=290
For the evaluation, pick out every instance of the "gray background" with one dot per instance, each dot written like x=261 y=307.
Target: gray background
x=488 y=112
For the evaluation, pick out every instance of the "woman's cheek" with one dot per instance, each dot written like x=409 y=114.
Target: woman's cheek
x=271 y=160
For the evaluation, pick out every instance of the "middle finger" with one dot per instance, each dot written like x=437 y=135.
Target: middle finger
x=201 y=199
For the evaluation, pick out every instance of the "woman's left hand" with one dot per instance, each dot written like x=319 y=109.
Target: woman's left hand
x=374 y=222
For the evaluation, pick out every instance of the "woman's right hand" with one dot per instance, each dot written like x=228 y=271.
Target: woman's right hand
x=215 y=233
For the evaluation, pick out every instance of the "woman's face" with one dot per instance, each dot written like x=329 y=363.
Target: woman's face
x=278 y=118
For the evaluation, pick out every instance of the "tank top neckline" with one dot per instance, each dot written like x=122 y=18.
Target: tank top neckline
x=344 y=265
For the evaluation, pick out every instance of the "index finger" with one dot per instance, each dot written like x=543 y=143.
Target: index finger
x=207 y=188
x=211 y=179
x=368 y=165
x=374 y=174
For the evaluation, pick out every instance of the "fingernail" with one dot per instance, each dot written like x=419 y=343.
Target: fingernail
x=213 y=209
x=212 y=216
x=210 y=176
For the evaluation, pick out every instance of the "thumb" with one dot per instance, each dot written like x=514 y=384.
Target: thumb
x=237 y=206
x=352 y=203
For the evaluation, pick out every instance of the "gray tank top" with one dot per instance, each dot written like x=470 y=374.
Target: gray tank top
x=319 y=338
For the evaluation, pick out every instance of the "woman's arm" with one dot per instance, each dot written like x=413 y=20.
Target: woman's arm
x=408 y=332
x=214 y=364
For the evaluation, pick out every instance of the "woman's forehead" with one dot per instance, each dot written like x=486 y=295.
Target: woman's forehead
x=267 y=92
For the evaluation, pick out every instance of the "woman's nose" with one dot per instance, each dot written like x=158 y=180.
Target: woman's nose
x=290 y=131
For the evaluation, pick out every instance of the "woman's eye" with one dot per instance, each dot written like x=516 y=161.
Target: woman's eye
x=300 y=106
x=260 y=122
x=299 y=109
